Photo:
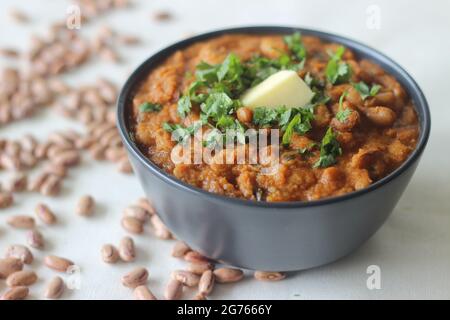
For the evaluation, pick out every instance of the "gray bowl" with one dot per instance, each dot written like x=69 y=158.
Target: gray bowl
x=281 y=236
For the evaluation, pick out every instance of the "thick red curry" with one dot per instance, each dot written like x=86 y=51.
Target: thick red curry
x=359 y=127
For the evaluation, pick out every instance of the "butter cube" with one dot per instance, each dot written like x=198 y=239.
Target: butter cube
x=284 y=88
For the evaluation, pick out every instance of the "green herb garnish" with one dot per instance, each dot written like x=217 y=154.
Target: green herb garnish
x=364 y=91
x=217 y=105
x=264 y=117
x=295 y=45
x=287 y=136
x=329 y=150
x=184 y=106
x=289 y=120
x=180 y=133
x=150 y=107
x=217 y=87
x=343 y=114
x=337 y=71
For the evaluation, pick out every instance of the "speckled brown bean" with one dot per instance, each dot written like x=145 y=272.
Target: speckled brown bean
x=97 y=151
x=45 y=214
x=6 y=199
x=132 y=225
x=66 y=158
x=110 y=254
x=189 y=279
x=269 y=275
x=61 y=140
x=114 y=154
x=136 y=212
x=135 y=278
x=21 y=278
x=127 y=250
x=10 y=162
x=27 y=159
x=20 y=252
x=162 y=16
x=174 y=290
x=51 y=186
x=206 y=283
x=381 y=116
x=36 y=184
x=160 y=229
x=124 y=165
x=145 y=204
x=21 y=222
x=85 y=206
x=180 y=249
x=107 y=90
x=200 y=267
x=195 y=257
x=16 y=293
x=57 y=263
x=244 y=114
x=17 y=183
x=199 y=296
x=228 y=275
x=35 y=239
x=128 y=40
x=143 y=293
x=55 y=288
x=40 y=152
x=8 y=266
x=28 y=142
x=56 y=169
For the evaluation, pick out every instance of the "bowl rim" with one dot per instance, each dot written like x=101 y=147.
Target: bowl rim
x=400 y=74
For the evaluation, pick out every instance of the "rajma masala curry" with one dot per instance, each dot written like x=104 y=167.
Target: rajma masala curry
x=343 y=122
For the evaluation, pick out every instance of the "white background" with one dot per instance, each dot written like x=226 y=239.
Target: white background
x=412 y=248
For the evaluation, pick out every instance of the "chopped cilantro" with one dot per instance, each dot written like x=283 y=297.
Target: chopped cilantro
x=184 y=106
x=206 y=72
x=342 y=113
x=295 y=45
x=364 y=91
x=329 y=150
x=217 y=105
x=180 y=133
x=337 y=71
x=264 y=117
x=150 y=107
x=300 y=122
x=214 y=138
x=290 y=130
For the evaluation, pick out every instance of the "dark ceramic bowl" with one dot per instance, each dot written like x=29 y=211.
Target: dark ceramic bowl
x=272 y=236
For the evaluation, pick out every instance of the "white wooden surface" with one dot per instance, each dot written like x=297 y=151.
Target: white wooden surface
x=412 y=248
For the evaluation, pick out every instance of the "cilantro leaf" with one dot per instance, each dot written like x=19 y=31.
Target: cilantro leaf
x=287 y=136
x=329 y=150
x=374 y=90
x=150 y=107
x=343 y=114
x=230 y=68
x=300 y=123
x=214 y=138
x=180 y=133
x=364 y=91
x=184 y=106
x=264 y=116
x=295 y=45
x=206 y=72
x=216 y=105
x=337 y=71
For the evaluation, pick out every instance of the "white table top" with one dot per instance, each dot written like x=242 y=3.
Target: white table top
x=412 y=248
